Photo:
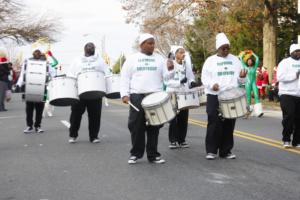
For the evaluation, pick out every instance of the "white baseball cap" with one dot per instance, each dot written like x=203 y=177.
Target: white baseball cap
x=145 y=36
x=294 y=47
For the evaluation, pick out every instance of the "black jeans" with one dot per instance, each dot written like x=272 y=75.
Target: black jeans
x=39 y=107
x=94 y=108
x=219 y=134
x=137 y=127
x=178 y=127
x=290 y=106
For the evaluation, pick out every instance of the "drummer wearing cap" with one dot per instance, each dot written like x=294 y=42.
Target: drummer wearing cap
x=142 y=74
x=289 y=92
x=180 y=79
x=90 y=61
x=220 y=72
x=31 y=106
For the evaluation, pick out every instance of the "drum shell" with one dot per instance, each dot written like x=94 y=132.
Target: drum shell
x=113 y=86
x=233 y=108
x=35 y=77
x=187 y=100
x=91 y=85
x=63 y=91
x=159 y=112
x=202 y=95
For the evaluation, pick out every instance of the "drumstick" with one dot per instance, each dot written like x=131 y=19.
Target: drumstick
x=135 y=108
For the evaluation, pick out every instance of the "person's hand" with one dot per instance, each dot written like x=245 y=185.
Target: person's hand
x=193 y=84
x=125 y=99
x=243 y=73
x=170 y=64
x=184 y=80
x=216 y=87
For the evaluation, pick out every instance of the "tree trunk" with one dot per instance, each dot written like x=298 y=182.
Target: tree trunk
x=270 y=37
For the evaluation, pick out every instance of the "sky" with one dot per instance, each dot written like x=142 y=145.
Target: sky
x=87 y=20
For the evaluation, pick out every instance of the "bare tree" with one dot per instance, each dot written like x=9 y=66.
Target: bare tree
x=18 y=26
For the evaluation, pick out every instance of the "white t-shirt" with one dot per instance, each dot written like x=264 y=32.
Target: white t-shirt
x=286 y=76
x=142 y=74
x=180 y=71
x=91 y=63
x=223 y=71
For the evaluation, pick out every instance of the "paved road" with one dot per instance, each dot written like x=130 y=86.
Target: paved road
x=45 y=166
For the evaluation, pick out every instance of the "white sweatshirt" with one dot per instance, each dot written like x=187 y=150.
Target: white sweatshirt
x=142 y=74
x=176 y=75
x=91 y=63
x=286 y=76
x=51 y=71
x=223 y=71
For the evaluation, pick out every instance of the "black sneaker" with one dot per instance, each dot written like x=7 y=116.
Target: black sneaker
x=230 y=156
x=184 y=145
x=173 y=145
x=157 y=160
x=28 y=130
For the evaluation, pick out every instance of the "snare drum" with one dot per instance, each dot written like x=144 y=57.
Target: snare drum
x=158 y=108
x=188 y=99
x=63 y=91
x=91 y=85
x=35 y=80
x=113 y=86
x=233 y=103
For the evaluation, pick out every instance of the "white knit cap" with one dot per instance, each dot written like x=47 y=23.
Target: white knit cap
x=145 y=36
x=175 y=48
x=294 y=47
x=221 y=39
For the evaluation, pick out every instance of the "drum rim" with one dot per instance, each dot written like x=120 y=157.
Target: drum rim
x=157 y=103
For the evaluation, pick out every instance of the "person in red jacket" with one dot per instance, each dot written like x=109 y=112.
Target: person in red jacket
x=259 y=78
x=265 y=82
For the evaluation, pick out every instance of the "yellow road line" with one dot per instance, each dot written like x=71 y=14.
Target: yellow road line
x=252 y=137
x=241 y=134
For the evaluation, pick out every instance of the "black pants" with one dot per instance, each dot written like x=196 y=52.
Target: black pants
x=178 y=127
x=137 y=127
x=39 y=107
x=219 y=135
x=94 y=115
x=290 y=106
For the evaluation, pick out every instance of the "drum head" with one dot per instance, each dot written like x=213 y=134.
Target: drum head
x=92 y=95
x=115 y=95
x=231 y=94
x=64 y=102
x=155 y=98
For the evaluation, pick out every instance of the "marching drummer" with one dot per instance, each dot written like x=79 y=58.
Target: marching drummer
x=289 y=92
x=142 y=74
x=31 y=106
x=181 y=79
x=90 y=61
x=220 y=72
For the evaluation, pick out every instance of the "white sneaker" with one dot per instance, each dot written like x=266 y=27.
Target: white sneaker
x=132 y=160
x=173 y=145
x=230 y=156
x=28 y=130
x=297 y=146
x=39 y=130
x=96 y=140
x=287 y=145
x=211 y=156
x=72 y=140
x=50 y=114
